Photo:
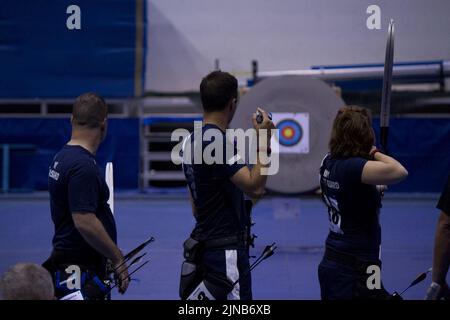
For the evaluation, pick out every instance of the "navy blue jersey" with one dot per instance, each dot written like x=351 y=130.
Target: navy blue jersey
x=76 y=185
x=353 y=207
x=220 y=205
x=444 y=199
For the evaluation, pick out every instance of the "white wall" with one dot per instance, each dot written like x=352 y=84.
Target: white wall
x=185 y=36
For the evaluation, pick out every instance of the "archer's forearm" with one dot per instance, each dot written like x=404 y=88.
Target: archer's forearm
x=441 y=256
x=258 y=179
x=386 y=159
x=92 y=230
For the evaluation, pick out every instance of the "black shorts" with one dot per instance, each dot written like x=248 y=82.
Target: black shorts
x=91 y=265
x=88 y=259
x=233 y=264
x=340 y=281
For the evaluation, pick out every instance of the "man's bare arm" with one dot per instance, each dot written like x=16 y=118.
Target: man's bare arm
x=252 y=182
x=92 y=230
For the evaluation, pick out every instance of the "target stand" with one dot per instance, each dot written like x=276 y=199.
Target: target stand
x=303 y=110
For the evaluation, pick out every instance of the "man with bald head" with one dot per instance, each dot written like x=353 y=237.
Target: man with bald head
x=85 y=230
x=26 y=281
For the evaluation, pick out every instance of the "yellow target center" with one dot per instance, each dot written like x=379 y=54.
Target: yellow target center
x=288 y=132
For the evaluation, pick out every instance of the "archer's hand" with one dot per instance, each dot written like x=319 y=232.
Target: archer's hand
x=437 y=292
x=266 y=124
x=121 y=274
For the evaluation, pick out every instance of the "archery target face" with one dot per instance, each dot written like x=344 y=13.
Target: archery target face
x=313 y=104
x=293 y=134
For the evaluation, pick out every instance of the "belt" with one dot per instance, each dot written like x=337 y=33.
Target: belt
x=349 y=259
x=239 y=240
x=83 y=259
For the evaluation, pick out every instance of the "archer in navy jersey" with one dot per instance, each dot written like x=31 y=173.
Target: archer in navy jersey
x=353 y=207
x=84 y=228
x=221 y=236
x=349 y=176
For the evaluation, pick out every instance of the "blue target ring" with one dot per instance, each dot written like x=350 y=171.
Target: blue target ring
x=290 y=132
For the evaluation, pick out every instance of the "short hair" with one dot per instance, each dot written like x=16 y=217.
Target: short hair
x=217 y=89
x=26 y=281
x=352 y=134
x=89 y=110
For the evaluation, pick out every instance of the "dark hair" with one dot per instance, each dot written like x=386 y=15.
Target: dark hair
x=217 y=89
x=352 y=133
x=89 y=110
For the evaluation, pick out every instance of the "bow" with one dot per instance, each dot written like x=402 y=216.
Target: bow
x=386 y=91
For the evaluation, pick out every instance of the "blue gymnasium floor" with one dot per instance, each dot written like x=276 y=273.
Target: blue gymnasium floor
x=408 y=230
